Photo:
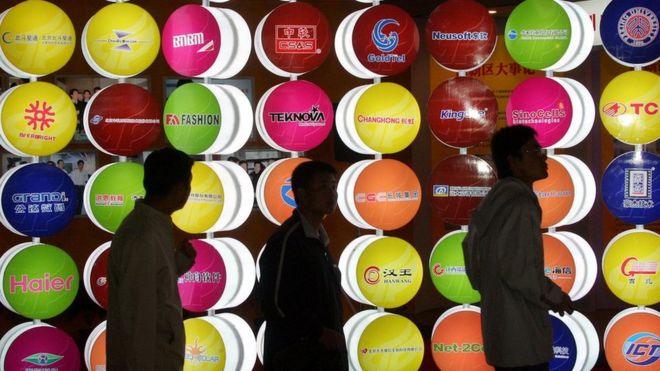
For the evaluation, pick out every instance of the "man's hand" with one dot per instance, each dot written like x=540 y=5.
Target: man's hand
x=565 y=306
x=332 y=340
x=187 y=249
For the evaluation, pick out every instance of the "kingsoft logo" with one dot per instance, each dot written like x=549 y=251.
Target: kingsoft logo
x=638 y=27
x=642 y=349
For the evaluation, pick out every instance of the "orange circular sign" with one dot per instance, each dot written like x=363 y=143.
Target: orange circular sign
x=457 y=343
x=555 y=193
x=632 y=340
x=559 y=264
x=278 y=195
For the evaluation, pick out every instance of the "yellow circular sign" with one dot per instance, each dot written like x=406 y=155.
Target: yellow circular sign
x=37 y=119
x=205 y=349
x=38 y=38
x=387 y=117
x=121 y=39
x=630 y=107
x=389 y=272
x=391 y=342
x=205 y=203
x=630 y=267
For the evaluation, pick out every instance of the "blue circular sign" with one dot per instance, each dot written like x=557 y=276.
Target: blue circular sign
x=630 y=31
x=38 y=200
x=631 y=187
x=563 y=346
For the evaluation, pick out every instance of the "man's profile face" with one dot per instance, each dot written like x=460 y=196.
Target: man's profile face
x=321 y=194
x=530 y=163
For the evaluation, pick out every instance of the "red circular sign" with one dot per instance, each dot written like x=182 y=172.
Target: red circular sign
x=98 y=279
x=460 y=34
x=386 y=39
x=458 y=184
x=462 y=112
x=123 y=119
x=296 y=37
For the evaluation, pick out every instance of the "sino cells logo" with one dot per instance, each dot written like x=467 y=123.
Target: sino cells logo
x=638 y=189
x=615 y=109
x=638 y=27
x=386 y=42
x=42 y=359
x=192 y=39
x=38 y=285
x=642 y=349
x=190 y=119
x=372 y=275
x=39 y=202
x=540 y=116
x=39 y=115
x=449 y=270
x=313 y=117
x=399 y=196
x=443 y=190
x=450 y=114
x=296 y=39
x=459 y=36
x=286 y=193
x=632 y=267
x=195 y=353
x=453 y=348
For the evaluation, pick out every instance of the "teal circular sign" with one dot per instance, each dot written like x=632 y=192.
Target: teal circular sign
x=39 y=281
x=537 y=33
x=111 y=193
x=192 y=118
x=447 y=268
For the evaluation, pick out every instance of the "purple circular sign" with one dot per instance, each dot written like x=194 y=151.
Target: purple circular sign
x=203 y=285
x=42 y=347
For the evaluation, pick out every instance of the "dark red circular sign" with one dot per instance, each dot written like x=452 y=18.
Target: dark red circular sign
x=460 y=34
x=98 y=279
x=458 y=184
x=462 y=112
x=296 y=37
x=123 y=119
x=386 y=39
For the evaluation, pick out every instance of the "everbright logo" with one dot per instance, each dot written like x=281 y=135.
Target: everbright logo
x=642 y=349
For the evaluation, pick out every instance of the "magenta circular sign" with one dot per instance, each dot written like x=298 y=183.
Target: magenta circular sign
x=462 y=112
x=98 y=279
x=386 y=39
x=460 y=34
x=123 y=120
x=202 y=286
x=191 y=40
x=41 y=347
x=296 y=37
x=297 y=115
x=543 y=104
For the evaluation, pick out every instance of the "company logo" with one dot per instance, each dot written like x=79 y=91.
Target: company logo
x=459 y=36
x=313 y=117
x=440 y=190
x=385 y=42
x=631 y=267
x=196 y=354
x=192 y=39
x=372 y=275
x=9 y=38
x=122 y=40
x=96 y=119
x=617 y=109
x=108 y=200
x=39 y=285
x=553 y=194
x=614 y=109
x=362 y=119
x=540 y=34
x=450 y=114
x=638 y=27
x=561 y=352
x=398 y=196
x=449 y=270
x=102 y=281
x=42 y=359
x=296 y=39
x=286 y=193
x=512 y=35
x=201 y=277
x=540 y=116
x=39 y=202
x=39 y=114
x=558 y=272
x=642 y=348
x=458 y=348
x=390 y=350
x=192 y=119
x=443 y=190
x=638 y=189
x=207 y=198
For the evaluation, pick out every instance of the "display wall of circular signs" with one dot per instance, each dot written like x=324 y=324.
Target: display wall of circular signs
x=456 y=340
x=462 y=112
x=629 y=107
x=632 y=339
x=121 y=129
x=120 y=40
x=630 y=266
x=37 y=209
x=460 y=35
x=221 y=198
x=629 y=30
x=379 y=194
x=293 y=39
x=111 y=192
x=381 y=40
x=223 y=275
x=631 y=187
x=552 y=35
x=94 y=351
x=202 y=41
x=447 y=269
x=378 y=118
x=567 y=194
x=221 y=342
x=274 y=193
x=207 y=118
x=36 y=119
x=95 y=275
x=458 y=184
x=570 y=263
x=383 y=341
x=38 y=38
x=575 y=342
x=39 y=281
x=381 y=271
x=38 y=346
x=294 y=116
x=561 y=110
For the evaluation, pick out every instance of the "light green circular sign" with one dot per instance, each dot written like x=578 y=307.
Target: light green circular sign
x=447 y=268
x=537 y=33
x=40 y=281
x=192 y=118
x=113 y=193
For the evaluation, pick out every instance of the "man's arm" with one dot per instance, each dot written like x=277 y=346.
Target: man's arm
x=184 y=257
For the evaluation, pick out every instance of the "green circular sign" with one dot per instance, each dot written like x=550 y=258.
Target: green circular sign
x=111 y=194
x=537 y=33
x=192 y=118
x=40 y=281
x=447 y=268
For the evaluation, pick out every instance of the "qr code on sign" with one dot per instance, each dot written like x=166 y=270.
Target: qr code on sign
x=637 y=183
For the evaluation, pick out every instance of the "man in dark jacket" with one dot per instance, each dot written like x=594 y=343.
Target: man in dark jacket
x=300 y=284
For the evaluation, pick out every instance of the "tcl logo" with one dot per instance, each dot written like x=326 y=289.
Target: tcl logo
x=614 y=109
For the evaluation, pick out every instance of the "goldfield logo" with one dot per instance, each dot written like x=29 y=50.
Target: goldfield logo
x=24 y=284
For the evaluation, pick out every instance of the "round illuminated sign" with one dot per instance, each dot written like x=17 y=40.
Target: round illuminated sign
x=556 y=193
x=632 y=338
x=38 y=347
x=456 y=341
x=274 y=192
x=95 y=275
x=565 y=343
x=123 y=129
x=389 y=341
x=447 y=270
x=95 y=357
x=204 y=283
x=558 y=262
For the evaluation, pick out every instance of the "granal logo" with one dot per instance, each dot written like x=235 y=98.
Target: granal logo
x=385 y=42
x=42 y=359
x=372 y=275
x=296 y=39
x=638 y=27
x=642 y=349
x=632 y=266
x=286 y=193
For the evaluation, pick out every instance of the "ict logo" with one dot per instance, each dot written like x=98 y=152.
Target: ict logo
x=642 y=348
x=385 y=42
x=286 y=193
x=638 y=27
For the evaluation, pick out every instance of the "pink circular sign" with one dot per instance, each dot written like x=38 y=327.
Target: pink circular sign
x=543 y=104
x=98 y=279
x=42 y=347
x=202 y=286
x=298 y=115
x=191 y=40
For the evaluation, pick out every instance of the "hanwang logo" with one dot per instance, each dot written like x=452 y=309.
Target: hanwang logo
x=614 y=109
x=385 y=42
x=642 y=349
x=42 y=359
x=372 y=275
x=638 y=27
x=286 y=193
